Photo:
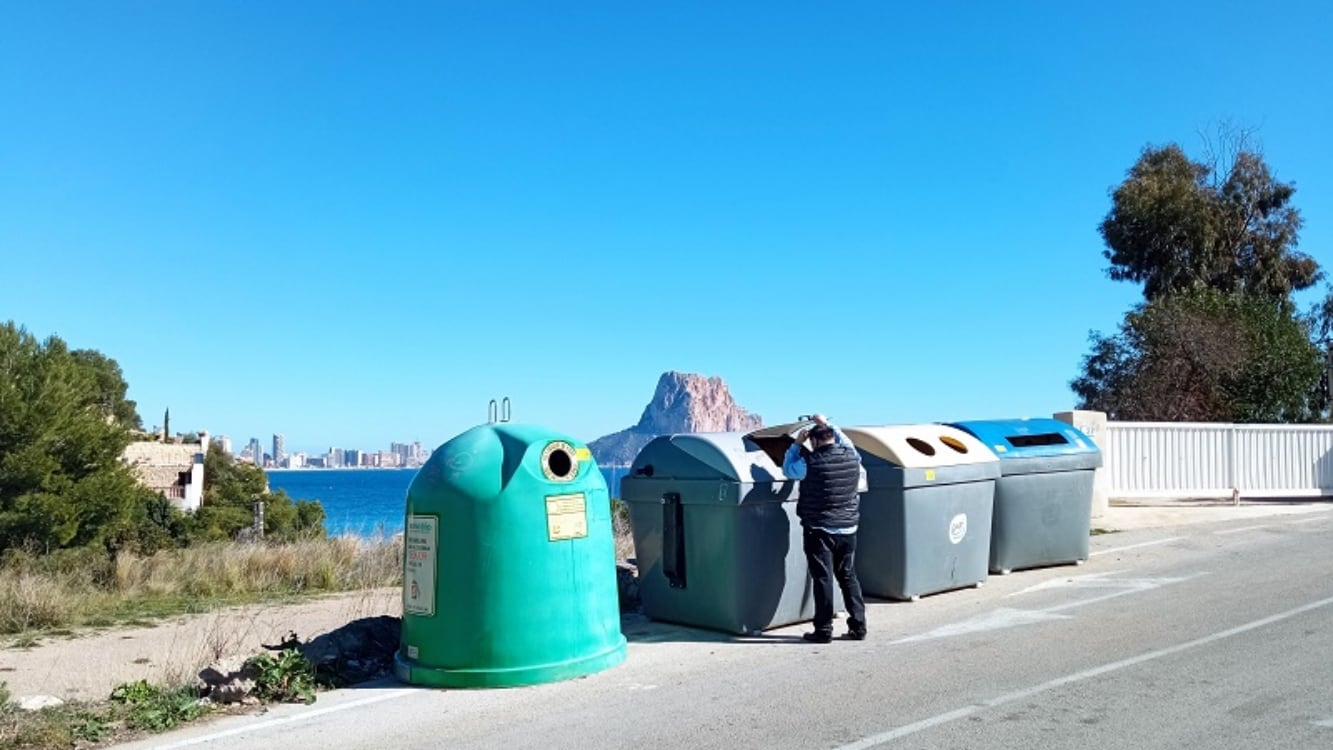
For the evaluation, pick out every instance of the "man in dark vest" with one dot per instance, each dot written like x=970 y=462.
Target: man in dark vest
x=830 y=510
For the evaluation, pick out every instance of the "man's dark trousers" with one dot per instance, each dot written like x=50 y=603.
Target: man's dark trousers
x=833 y=556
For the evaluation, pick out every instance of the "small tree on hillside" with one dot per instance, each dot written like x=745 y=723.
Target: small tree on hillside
x=231 y=489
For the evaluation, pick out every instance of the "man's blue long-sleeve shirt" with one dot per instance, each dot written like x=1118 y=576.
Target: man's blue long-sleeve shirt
x=793 y=464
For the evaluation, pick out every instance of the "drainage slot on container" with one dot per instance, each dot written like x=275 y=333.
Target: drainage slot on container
x=1026 y=441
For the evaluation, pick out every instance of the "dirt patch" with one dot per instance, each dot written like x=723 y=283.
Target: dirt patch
x=89 y=664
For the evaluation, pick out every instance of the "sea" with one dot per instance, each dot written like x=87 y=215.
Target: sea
x=367 y=503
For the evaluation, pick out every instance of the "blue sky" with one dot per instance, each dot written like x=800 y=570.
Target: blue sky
x=356 y=223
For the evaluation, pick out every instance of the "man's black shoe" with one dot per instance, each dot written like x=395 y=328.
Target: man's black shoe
x=856 y=635
x=818 y=637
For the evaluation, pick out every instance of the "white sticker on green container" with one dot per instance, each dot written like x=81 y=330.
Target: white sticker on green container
x=420 y=542
x=566 y=517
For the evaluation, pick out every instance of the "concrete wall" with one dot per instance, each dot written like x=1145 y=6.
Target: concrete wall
x=1093 y=424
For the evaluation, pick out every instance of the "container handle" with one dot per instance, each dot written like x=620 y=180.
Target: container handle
x=498 y=411
x=673 y=540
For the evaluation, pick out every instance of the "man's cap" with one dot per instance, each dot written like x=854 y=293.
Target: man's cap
x=821 y=433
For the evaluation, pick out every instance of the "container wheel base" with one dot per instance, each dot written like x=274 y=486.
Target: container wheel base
x=413 y=673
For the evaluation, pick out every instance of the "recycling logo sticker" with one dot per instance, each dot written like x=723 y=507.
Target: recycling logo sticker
x=957 y=528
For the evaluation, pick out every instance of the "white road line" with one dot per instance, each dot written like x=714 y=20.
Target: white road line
x=1305 y=520
x=1135 y=546
x=302 y=716
x=965 y=711
x=1241 y=529
x=1009 y=618
x=1136 y=586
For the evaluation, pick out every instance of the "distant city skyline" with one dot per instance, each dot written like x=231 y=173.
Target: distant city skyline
x=399 y=455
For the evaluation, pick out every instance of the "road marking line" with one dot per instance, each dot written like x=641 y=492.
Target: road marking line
x=1305 y=520
x=1136 y=586
x=996 y=620
x=1325 y=723
x=1102 y=581
x=1005 y=617
x=1243 y=528
x=965 y=711
x=302 y=716
x=1135 y=546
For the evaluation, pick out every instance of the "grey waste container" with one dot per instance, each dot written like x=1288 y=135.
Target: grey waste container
x=716 y=536
x=926 y=516
x=1043 y=499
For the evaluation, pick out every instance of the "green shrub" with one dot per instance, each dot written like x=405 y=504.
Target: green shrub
x=287 y=678
x=155 y=708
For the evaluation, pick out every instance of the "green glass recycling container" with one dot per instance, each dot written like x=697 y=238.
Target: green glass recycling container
x=509 y=574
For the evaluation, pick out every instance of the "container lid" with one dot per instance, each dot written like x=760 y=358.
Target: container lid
x=920 y=445
x=1028 y=438
x=707 y=455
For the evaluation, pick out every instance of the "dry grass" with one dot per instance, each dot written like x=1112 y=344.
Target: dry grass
x=40 y=593
x=620 y=528
x=32 y=601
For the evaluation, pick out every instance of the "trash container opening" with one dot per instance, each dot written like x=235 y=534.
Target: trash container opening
x=921 y=446
x=558 y=462
x=953 y=443
x=1027 y=441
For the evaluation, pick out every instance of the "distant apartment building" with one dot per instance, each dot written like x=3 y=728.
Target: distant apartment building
x=278 y=450
x=351 y=457
x=334 y=458
x=294 y=461
x=408 y=454
x=223 y=443
x=256 y=452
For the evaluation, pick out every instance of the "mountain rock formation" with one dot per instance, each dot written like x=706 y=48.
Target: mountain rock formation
x=683 y=402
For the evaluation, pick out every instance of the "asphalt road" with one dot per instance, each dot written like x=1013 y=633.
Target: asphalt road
x=1212 y=636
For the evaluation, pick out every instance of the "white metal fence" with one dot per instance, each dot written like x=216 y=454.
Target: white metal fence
x=1186 y=460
